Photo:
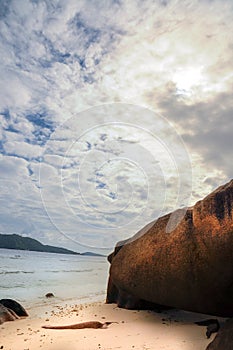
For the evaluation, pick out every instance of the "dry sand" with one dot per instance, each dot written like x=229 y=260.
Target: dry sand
x=135 y=330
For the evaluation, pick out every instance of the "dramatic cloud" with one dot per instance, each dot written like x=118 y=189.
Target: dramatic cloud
x=71 y=173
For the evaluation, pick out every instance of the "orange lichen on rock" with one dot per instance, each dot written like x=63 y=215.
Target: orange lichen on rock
x=189 y=268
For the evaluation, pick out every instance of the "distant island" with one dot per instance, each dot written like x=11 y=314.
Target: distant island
x=15 y=241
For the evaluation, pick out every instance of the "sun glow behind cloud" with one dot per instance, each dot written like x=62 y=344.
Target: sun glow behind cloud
x=188 y=78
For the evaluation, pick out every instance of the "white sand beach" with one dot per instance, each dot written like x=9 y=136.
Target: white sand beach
x=138 y=330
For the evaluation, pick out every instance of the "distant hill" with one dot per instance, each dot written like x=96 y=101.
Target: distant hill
x=14 y=241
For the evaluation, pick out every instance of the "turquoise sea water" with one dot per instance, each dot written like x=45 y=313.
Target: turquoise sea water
x=27 y=276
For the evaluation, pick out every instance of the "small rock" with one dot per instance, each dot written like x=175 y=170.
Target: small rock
x=49 y=295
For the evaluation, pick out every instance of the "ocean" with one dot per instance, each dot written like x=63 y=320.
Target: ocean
x=27 y=276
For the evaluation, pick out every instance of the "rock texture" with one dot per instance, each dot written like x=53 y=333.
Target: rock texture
x=189 y=268
x=11 y=310
x=7 y=314
x=224 y=338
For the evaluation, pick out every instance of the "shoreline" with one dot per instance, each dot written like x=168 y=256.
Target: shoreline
x=138 y=330
x=29 y=277
x=36 y=309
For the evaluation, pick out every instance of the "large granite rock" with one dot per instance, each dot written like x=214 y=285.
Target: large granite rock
x=190 y=267
x=224 y=338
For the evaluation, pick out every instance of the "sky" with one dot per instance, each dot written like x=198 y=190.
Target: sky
x=112 y=113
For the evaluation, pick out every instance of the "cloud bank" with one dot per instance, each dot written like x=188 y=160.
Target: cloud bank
x=64 y=180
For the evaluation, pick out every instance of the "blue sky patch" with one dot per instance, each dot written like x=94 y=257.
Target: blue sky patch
x=41 y=120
